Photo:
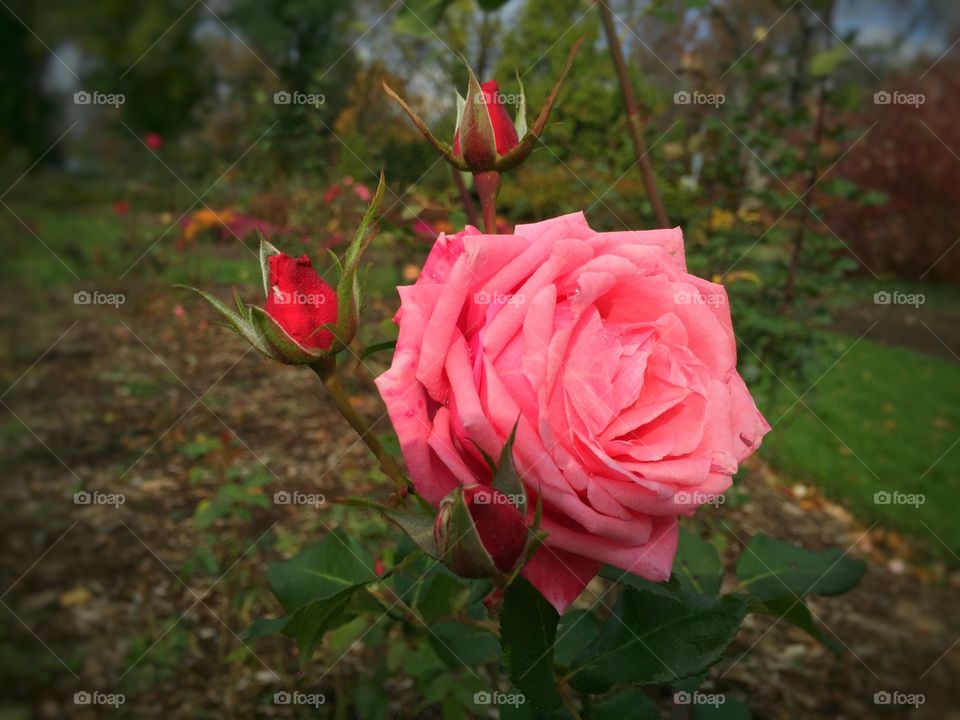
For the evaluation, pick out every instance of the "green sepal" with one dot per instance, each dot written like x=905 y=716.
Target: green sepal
x=527 y=142
x=441 y=147
x=242 y=324
x=349 y=288
x=286 y=349
x=478 y=142
x=266 y=252
x=458 y=541
x=520 y=121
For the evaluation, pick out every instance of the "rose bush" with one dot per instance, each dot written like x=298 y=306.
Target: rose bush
x=617 y=367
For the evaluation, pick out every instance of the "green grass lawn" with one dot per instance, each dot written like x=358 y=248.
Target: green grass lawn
x=883 y=419
x=96 y=245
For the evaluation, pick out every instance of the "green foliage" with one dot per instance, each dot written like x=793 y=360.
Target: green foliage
x=698 y=565
x=233 y=499
x=156 y=656
x=657 y=634
x=335 y=564
x=655 y=639
x=730 y=709
x=528 y=628
x=769 y=568
x=631 y=703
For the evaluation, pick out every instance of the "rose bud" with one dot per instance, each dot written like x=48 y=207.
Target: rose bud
x=486 y=139
x=487 y=133
x=304 y=321
x=300 y=301
x=479 y=532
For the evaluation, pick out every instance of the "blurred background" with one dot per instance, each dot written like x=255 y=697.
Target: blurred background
x=809 y=150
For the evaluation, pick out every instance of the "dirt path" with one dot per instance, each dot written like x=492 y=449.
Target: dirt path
x=150 y=597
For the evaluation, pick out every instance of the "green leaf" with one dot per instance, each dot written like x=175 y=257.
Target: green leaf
x=460 y=645
x=377 y=347
x=769 y=568
x=528 y=627
x=320 y=572
x=670 y=589
x=794 y=610
x=651 y=638
x=262 y=627
x=577 y=629
x=730 y=709
x=826 y=62
x=417 y=525
x=442 y=596
x=697 y=565
x=874 y=197
x=632 y=703
x=308 y=624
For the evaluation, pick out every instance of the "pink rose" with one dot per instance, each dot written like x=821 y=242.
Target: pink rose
x=618 y=367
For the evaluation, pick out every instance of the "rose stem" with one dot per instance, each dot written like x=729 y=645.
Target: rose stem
x=487 y=183
x=328 y=375
x=634 y=122
x=568 y=702
x=468 y=207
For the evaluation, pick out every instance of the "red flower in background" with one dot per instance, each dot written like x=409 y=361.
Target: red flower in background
x=362 y=192
x=300 y=301
x=331 y=193
x=153 y=140
x=121 y=207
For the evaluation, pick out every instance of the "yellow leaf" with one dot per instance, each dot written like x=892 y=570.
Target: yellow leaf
x=75 y=597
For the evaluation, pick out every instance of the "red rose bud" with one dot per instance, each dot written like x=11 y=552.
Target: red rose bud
x=300 y=301
x=479 y=532
x=486 y=139
x=505 y=136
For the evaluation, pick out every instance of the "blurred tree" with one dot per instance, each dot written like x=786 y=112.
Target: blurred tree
x=149 y=52
x=25 y=114
x=309 y=46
